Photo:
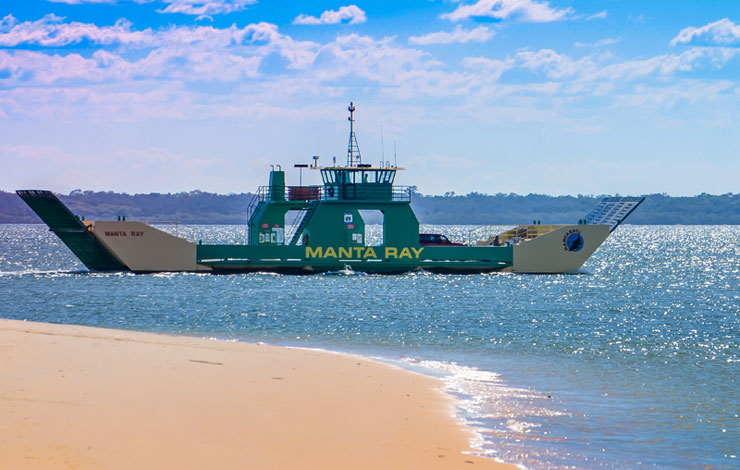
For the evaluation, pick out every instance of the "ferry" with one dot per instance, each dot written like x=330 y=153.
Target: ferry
x=320 y=228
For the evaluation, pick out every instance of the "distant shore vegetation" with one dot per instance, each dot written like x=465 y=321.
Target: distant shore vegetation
x=198 y=207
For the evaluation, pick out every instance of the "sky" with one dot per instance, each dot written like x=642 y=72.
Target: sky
x=558 y=97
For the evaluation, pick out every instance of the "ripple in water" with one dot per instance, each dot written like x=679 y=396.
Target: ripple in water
x=630 y=363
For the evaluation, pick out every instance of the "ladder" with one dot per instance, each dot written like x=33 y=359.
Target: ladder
x=302 y=222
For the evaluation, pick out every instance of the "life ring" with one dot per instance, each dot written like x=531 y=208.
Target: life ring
x=330 y=191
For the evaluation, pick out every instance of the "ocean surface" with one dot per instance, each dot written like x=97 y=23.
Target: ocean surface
x=633 y=362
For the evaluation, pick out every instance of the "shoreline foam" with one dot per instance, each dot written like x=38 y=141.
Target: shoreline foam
x=82 y=397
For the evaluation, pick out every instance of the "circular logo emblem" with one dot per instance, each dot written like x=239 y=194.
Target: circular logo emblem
x=573 y=240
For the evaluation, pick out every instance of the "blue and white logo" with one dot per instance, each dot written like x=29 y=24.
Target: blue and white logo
x=573 y=240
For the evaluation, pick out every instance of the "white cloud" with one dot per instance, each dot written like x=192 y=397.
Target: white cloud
x=587 y=72
x=37 y=68
x=688 y=91
x=188 y=65
x=597 y=16
x=459 y=35
x=555 y=66
x=200 y=8
x=664 y=65
x=492 y=68
x=258 y=39
x=80 y=2
x=187 y=54
x=526 y=10
x=206 y=8
x=353 y=13
x=368 y=58
x=599 y=43
x=52 y=31
x=169 y=72
x=723 y=32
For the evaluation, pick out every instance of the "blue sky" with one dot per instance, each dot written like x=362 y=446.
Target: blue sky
x=525 y=96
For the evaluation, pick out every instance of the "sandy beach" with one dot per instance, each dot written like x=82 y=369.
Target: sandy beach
x=90 y=398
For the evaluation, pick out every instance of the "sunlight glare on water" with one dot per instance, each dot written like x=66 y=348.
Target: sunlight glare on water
x=633 y=362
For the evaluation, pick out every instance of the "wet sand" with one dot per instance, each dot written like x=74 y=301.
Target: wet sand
x=90 y=398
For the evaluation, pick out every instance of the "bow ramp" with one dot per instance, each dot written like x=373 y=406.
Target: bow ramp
x=612 y=211
x=114 y=246
x=73 y=232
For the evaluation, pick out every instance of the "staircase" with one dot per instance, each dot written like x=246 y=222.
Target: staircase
x=302 y=222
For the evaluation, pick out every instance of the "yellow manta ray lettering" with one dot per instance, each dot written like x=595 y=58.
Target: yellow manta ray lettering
x=363 y=252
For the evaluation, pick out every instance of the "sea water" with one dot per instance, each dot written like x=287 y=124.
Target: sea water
x=632 y=362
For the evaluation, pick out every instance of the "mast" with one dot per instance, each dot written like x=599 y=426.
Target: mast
x=353 y=150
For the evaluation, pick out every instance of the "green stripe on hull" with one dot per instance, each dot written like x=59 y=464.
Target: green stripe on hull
x=374 y=259
x=71 y=230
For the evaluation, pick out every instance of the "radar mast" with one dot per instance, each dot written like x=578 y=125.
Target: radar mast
x=353 y=150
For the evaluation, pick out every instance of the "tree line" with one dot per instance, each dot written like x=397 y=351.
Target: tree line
x=198 y=207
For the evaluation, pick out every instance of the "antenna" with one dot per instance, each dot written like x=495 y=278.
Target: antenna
x=382 y=142
x=395 y=156
x=353 y=150
x=300 y=167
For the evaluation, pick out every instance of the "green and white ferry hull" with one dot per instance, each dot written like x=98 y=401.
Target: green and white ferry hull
x=142 y=248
